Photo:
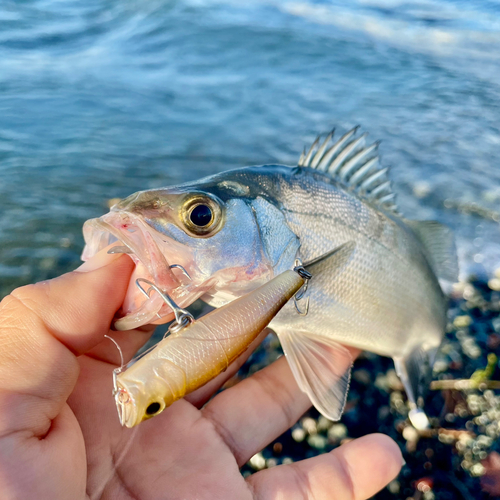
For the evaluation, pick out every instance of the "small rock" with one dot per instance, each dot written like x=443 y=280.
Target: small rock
x=277 y=448
x=317 y=441
x=309 y=425
x=462 y=321
x=494 y=284
x=362 y=376
x=257 y=462
x=496 y=325
x=394 y=381
x=336 y=433
x=441 y=365
x=298 y=434
x=394 y=487
x=323 y=424
x=410 y=433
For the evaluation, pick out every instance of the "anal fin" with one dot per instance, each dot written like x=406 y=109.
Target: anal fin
x=322 y=369
x=415 y=372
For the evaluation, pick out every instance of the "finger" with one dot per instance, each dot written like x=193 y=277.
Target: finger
x=251 y=414
x=43 y=327
x=201 y=396
x=354 y=471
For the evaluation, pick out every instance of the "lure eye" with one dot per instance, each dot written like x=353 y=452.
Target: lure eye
x=153 y=408
x=202 y=215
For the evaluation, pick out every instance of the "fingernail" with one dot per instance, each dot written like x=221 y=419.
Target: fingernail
x=100 y=259
x=403 y=462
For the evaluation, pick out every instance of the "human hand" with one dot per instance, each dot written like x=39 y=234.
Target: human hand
x=60 y=437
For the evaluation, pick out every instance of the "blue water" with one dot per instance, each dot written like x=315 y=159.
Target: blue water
x=102 y=98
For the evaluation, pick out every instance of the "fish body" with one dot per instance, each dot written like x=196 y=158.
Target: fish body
x=191 y=357
x=386 y=298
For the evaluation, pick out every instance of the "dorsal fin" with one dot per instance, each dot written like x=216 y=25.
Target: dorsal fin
x=353 y=164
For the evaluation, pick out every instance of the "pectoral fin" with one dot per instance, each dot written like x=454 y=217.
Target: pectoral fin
x=322 y=369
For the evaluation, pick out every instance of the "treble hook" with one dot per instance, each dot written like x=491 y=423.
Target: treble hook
x=178 y=266
x=182 y=317
x=306 y=276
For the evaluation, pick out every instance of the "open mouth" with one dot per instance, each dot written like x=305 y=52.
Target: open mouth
x=126 y=233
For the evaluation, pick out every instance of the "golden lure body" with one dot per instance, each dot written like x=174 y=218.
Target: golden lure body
x=186 y=360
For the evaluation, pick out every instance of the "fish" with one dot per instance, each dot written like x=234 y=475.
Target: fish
x=236 y=230
x=197 y=351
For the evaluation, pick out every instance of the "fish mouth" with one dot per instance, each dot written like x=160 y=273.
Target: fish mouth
x=127 y=233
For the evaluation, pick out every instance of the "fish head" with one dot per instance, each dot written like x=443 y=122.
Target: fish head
x=213 y=239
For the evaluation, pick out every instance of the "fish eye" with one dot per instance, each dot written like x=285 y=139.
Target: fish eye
x=201 y=214
x=153 y=408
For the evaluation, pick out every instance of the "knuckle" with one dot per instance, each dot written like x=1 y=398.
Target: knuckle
x=301 y=480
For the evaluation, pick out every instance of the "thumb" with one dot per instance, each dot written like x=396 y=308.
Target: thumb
x=42 y=329
x=77 y=308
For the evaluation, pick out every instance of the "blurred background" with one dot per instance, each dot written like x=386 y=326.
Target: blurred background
x=101 y=98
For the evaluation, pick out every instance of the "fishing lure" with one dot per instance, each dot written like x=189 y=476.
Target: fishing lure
x=195 y=352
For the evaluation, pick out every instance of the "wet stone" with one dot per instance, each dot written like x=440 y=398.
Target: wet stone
x=317 y=441
x=309 y=425
x=337 y=433
x=323 y=424
x=258 y=462
x=462 y=321
x=298 y=435
x=494 y=284
x=362 y=376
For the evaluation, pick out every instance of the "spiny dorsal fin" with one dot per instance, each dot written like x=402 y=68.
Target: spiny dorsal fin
x=355 y=165
x=439 y=242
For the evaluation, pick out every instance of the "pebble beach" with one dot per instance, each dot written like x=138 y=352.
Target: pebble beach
x=458 y=457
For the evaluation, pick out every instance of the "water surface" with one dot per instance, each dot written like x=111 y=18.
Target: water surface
x=102 y=98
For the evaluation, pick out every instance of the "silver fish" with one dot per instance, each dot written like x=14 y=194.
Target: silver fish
x=233 y=231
